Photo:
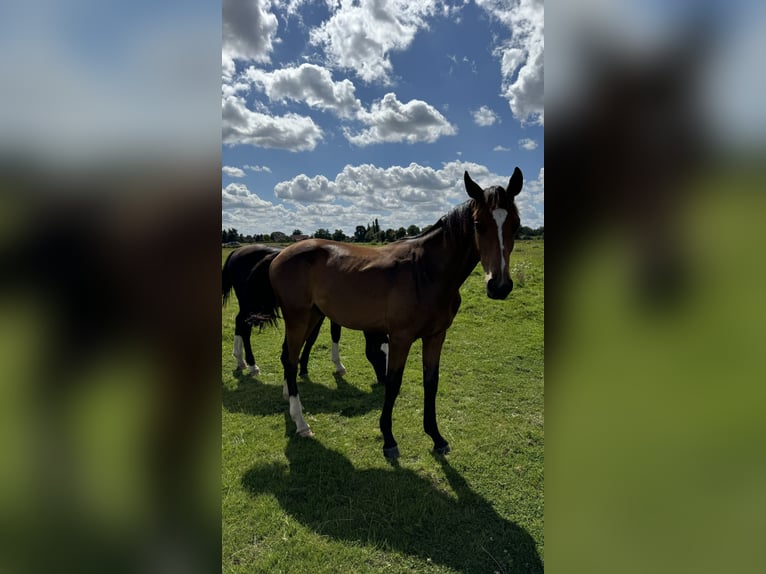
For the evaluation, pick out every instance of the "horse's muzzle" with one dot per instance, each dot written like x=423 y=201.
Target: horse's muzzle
x=499 y=289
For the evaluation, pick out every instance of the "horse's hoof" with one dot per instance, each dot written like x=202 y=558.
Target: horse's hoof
x=391 y=453
x=340 y=371
x=305 y=433
x=303 y=374
x=442 y=449
x=254 y=370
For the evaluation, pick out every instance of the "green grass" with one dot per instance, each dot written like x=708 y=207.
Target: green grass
x=333 y=504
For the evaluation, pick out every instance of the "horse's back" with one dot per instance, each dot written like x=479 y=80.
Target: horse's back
x=351 y=284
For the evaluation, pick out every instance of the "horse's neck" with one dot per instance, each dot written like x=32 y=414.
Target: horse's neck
x=451 y=256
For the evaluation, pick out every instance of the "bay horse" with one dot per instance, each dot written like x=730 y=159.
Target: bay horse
x=242 y=267
x=408 y=290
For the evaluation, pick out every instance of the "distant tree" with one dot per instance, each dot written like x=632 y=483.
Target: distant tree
x=426 y=228
x=401 y=232
x=525 y=232
x=413 y=230
x=390 y=235
x=322 y=233
x=230 y=234
x=360 y=234
x=297 y=232
x=279 y=237
x=339 y=235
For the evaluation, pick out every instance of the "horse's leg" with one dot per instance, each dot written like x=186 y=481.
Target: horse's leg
x=397 y=358
x=304 y=361
x=240 y=326
x=376 y=350
x=249 y=358
x=297 y=328
x=432 y=349
x=335 y=334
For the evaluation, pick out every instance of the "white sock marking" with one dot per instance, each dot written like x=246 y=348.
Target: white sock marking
x=237 y=352
x=384 y=348
x=499 y=215
x=339 y=368
x=296 y=413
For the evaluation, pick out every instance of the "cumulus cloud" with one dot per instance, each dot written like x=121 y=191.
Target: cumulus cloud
x=484 y=116
x=407 y=194
x=237 y=195
x=531 y=202
x=522 y=57
x=393 y=121
x=232 y=171
x=360 y=37
x=249 y=30
x=310 y=84
x=500 y=148
x=244 y=126
x=528 y=144
x=398 y=196
x=304 y=189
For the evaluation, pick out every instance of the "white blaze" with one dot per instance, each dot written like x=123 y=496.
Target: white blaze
x=499 y=216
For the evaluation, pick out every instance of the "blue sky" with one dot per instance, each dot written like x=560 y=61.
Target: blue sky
x=336 y=113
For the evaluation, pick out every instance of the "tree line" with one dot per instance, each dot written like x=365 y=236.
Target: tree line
x=372 y=233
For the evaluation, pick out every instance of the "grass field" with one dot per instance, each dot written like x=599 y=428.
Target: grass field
x=333 y=504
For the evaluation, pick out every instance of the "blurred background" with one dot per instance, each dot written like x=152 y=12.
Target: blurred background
x=655 y=149
x=109 y=291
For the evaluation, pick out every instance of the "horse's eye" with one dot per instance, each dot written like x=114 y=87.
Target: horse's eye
x=480 y=227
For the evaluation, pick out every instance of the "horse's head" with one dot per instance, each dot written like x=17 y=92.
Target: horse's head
x=496 y=221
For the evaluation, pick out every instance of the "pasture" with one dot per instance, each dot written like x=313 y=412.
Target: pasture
x=333 y=503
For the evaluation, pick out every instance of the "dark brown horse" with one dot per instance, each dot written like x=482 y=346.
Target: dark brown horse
x=408 y=289
x=242 y=268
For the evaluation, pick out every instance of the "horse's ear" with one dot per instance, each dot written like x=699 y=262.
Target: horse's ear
x=514 y=185
x=473 y=188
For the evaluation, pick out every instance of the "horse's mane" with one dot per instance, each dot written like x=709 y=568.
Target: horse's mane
x=459 y=221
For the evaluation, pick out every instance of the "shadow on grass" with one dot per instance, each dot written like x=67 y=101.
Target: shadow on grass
x=251 y=396
x=395 y=509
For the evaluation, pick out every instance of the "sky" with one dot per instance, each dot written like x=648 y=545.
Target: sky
x=340 y=112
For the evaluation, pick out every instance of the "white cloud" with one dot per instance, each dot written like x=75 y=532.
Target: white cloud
x=528 y=144
x=237 y=195
x=360 y=36
x=393 y=121
x=244 y=126
x=398 y=196
x=484 y=116
x=249 y=31
x=258 y=168
x=500 y=148
x=310 y=84
x=232 y=171
x=304 y=189
x=531 y=201
x=522 y=57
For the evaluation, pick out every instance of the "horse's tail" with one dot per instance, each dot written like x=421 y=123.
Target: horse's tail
x=226 y=280
x=265 y=307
